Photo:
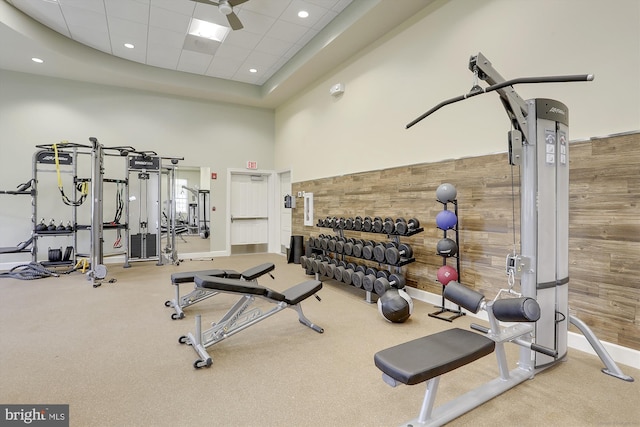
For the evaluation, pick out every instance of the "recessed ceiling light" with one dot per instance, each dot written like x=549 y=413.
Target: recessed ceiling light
x=129 y=46
x=253 y=70
x=303 y=14
x=208 y=30
x=38 y=60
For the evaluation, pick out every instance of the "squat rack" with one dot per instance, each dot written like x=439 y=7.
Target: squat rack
x=68 y=152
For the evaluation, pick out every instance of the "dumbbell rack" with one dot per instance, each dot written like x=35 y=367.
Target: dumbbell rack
x=440 y=314
x=340 y=225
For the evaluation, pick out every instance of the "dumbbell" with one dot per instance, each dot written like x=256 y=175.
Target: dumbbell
x=331 y=268
x=377 y=225
x=407 y=227
x=367 y=224
x=339 y=270
x=340 y=245
x=331 y=245
x=349 y=223
x=357 y=248
x=369 y=279
x=383 y=284
x=367 y=249
x=357 y=278
x=347 y=274
x=380 y=249
x=389 y=226
x=348 y=246
x=394 y=254
x=357 y=223
x=303 y=261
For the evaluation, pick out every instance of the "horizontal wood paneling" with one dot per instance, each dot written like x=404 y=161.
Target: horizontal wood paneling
x=604 y=225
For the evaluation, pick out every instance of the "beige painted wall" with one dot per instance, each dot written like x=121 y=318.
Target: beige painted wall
x=425 y=62
x=38 y=110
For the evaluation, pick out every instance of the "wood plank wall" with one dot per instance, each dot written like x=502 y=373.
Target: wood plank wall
x=604 y=235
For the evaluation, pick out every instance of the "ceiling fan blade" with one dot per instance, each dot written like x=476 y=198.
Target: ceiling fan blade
x=214 y=3
x=234 y=21
x=233 y=3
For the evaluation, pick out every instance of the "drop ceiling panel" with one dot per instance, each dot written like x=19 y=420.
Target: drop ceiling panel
x=130 y=10
x=273 y=32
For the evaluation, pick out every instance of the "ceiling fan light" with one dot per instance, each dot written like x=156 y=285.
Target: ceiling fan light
x=225 y=8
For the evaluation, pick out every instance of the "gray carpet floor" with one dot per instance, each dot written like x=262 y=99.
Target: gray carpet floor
x=112 y=354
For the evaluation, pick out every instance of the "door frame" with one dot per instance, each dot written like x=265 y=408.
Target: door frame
x=273 y=213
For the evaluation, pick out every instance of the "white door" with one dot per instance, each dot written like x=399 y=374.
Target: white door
x=249 y=209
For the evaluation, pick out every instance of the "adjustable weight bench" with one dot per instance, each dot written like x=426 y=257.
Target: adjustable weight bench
x=20 y=247
x=201 y=294
x=427 y=358
x=240 y=317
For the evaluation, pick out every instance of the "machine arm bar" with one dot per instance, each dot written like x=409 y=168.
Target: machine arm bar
x=513 y=103
x=477 y=90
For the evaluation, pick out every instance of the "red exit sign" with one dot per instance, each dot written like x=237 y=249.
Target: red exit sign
x=252 y=165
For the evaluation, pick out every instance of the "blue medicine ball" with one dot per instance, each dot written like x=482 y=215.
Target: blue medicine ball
x=446 y=220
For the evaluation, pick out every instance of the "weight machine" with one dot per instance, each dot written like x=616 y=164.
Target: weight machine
x=539 y=145
x=199 y=220
x=150 y=170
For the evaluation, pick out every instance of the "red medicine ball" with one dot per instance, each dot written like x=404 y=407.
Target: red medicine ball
x=447 y=274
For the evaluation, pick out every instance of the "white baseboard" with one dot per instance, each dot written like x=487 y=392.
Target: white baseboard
x=623 y=355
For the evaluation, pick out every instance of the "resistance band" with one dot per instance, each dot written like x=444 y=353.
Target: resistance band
x=82 y=187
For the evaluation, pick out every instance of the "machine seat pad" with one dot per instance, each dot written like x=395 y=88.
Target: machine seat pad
x=231 y=285
x=301 y=291
x=428 y=357
x=257 y=271
x=188 y=276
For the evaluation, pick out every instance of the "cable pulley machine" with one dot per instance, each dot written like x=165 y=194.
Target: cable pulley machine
x=539 y=145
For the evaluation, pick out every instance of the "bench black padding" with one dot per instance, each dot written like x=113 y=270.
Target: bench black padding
x=257 y=271
x=20 y=247
x=188 y=276
x=291 y=296
x=516 y=309
x=428 y=357
x=463 y=296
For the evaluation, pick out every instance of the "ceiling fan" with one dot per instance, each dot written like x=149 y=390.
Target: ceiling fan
x=226 y=8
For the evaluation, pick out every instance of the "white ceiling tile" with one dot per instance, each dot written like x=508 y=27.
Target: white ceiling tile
x=194 y=62
x=243 y=39
x=163 y=18
x=158 y=37
x=255 y=22
x=273 y=46
x=325 y=19
x=272 y=32
x=163 y=56
x=184 y=7
x=286 y=31
x=228 y=52
x=124 y=28
x=46 y=13
x=90 y=5
x=130 y=10
x=224 y=68
x=272 y=8
x=315 y=13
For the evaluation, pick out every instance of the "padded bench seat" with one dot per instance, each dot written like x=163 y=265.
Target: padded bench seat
x=424 y=358
x=291 y=296
x=188 y=276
